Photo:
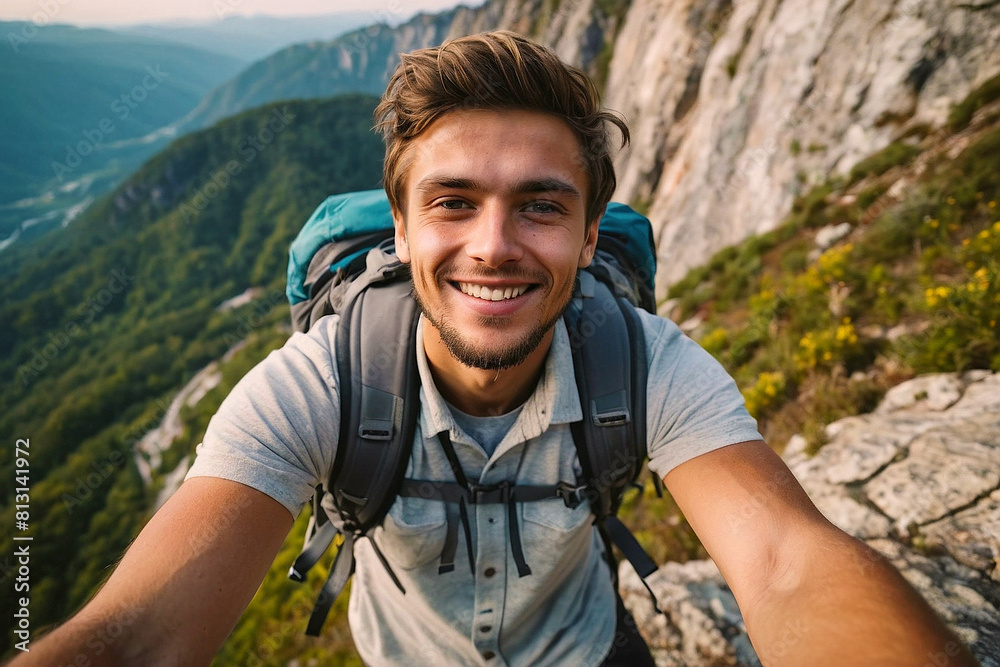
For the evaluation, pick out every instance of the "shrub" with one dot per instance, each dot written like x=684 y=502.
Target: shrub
x=769 y=390
x=962 y=114
x=896 y=153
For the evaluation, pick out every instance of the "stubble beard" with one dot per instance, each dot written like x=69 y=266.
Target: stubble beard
x=488 y=359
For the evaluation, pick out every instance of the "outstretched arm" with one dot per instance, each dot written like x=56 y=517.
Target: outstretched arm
x=181 y=586
x=810 y=594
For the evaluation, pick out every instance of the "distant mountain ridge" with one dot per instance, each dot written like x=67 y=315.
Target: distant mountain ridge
x=85 y=99
x=362 y=60
x=250 y=38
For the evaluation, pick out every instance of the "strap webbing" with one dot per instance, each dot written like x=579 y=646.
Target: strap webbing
x=515 y=540
x=385 y=564
x=480 y=494
x=464 y=514
x=343 y=568
x=316 y=545
x=450 y=540
x=637 y=556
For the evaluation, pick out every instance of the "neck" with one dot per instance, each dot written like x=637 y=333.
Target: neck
x=479 y=392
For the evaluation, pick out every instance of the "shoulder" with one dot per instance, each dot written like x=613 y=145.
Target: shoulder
x=277 y=430
x=666 y=344
x=693 y=404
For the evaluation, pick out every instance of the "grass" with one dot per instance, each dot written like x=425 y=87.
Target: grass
x=895 y=154
x=962 y=114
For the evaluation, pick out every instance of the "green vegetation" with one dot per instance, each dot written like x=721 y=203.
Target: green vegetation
x=961 y=115
x=806 y=333
x=895 y=154
x=107 y=320
x=614 y=11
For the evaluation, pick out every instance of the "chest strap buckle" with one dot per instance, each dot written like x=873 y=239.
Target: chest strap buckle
x=573 y=496
x=480 y=494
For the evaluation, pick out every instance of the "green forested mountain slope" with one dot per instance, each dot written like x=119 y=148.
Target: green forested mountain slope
x=64 y=85
x=104 y=322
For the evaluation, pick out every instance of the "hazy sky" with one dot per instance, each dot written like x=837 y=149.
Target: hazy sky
x=117 y=12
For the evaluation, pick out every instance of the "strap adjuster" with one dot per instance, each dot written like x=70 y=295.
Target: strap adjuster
x=573 y=496
x=489 y=493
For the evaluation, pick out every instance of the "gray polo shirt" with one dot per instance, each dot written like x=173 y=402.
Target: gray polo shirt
x=278 y=430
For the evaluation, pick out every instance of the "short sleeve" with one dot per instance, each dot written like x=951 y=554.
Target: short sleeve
x=693 y=405
x=277 y=430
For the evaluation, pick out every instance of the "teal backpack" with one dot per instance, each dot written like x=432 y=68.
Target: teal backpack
x=343 y=262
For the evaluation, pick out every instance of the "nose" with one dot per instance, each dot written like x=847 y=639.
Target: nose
x=493 y=237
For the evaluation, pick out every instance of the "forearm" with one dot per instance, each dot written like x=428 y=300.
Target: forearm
x=848 y=605
x=96 y=640
x=180 y=588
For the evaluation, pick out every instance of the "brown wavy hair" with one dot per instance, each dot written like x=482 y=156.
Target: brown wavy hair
x=494 y=71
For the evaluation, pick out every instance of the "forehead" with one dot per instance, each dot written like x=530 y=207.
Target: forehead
x=496 y=146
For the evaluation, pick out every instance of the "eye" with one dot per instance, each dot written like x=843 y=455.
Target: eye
x=453 y=204
x=541 y=207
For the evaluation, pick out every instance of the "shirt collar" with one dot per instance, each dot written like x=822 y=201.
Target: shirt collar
x=555 y=399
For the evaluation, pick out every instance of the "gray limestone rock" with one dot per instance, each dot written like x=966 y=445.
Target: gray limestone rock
x=929 y=392
x=972 y=536
x=918 y=479
x=942 y=474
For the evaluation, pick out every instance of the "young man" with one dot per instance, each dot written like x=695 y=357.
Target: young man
x=498 y=169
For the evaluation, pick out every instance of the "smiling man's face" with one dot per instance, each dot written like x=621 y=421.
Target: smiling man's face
x=495 y=230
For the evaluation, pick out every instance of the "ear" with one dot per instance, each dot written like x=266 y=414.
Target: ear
x=589 y=243
x=402 y=248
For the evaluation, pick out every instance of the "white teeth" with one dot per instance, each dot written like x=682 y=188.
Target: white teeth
x=492 y=294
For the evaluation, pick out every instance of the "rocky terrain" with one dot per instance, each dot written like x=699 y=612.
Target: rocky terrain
x=918 y=480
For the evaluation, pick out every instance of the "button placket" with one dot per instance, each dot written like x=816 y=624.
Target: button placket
x=491 y=567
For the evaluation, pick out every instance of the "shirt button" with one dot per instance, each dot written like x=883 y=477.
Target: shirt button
x=489 y=655
x=485 y=628
x=489 y=572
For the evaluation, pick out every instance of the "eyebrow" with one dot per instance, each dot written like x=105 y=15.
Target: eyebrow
x=523 y=187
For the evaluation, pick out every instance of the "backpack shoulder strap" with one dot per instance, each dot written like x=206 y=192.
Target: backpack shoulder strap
x=609 y=360
x=379 y=397
x=380 y=402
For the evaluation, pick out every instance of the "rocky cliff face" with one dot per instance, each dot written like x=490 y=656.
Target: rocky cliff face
x=918 y=480
x=737 y=106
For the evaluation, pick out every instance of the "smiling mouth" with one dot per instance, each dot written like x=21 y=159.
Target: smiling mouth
x=493 y=293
